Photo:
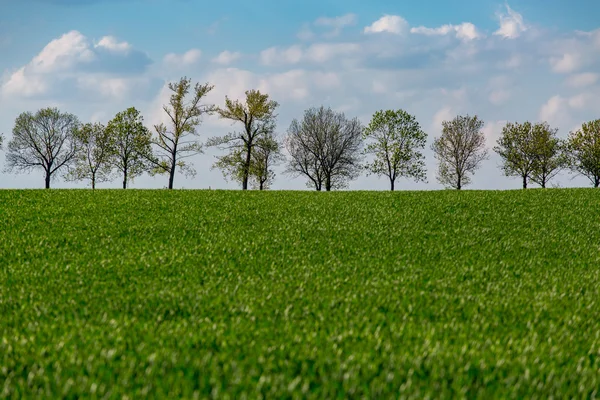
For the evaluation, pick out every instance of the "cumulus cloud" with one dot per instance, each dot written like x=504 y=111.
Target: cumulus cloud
x=511 y=24
x=66 y=58
x=227 y=57
x=465 y=31
x=190 y=57
x=388 y=23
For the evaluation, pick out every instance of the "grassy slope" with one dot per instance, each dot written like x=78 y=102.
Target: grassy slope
x=488 y=294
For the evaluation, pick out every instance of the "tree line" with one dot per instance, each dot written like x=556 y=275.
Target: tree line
x=325 y=147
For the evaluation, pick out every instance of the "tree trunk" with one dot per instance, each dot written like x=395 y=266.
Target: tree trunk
x=172 y=174
x=597 y=181
x=392 y=185
x=247 y=167
x=93 y=181
x=125 y=178
x=261 y=184
x=543 y=184
x=47 y=182
x=328 y=184
x=458 y=183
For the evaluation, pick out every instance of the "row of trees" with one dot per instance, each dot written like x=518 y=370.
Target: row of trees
x=324 y=146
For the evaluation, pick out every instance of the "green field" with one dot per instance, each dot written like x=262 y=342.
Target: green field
x=230 y=294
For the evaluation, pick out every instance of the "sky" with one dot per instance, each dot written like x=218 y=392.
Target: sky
x=512 y=61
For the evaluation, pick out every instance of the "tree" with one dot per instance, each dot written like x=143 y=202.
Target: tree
x=257 y=114
x=178 y=141
x=549 y=156
x=515 y=147
x=130 y=144
x=42 y=140
x=397 y=138
x=460 y=150
x=92 y=160
x=266 y=154
x=325 y=147
x=583 y=148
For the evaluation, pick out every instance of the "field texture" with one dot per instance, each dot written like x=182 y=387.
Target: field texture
x=196 y=294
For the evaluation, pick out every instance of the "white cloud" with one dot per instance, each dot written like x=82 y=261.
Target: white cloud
x=277 y=56
x=492 y=131
x=568 y=62
x=111 y=43
x=315 y=53
x=388 y=23
x=68 y=57
x=511 y=24
x=24 y=85
x=443 y=114
x=190 y=57
x=64 y=52
x=465 y=31
x=582 y=80
x=227 y=57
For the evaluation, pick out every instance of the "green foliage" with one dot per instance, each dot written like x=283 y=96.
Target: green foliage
x=460 y=150
x=397 y=141
x=482 y=294
x=266 y=154
x=43 y=140
x=515 y=147
x=129 y=144
x=257 y=114
x=177 y=141
x=92 y=161
x=583 y=148
x=549 y=154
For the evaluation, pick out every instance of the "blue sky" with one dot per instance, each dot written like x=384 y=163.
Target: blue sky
x=525 y=59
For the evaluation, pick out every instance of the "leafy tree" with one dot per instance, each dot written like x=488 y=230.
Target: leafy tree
x=549 y=155
x=460 y=150
x=129 y=144
x=266 y=154
x=178 y=141
x=257 y=114
x=43 y=140
x=92 y=160
x=583 y=147
x=516 y=148
x=397 y=139
x=325 y=147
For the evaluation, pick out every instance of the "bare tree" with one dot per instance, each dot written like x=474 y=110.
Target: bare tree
x=325 y=147
x=257 y=114
x=129 y=144
x=460 y=150
x=583 y=148
x=93 y=156
x=43 y=140
x=177 y=142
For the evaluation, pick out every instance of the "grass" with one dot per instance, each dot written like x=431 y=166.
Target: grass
x=200 y=294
